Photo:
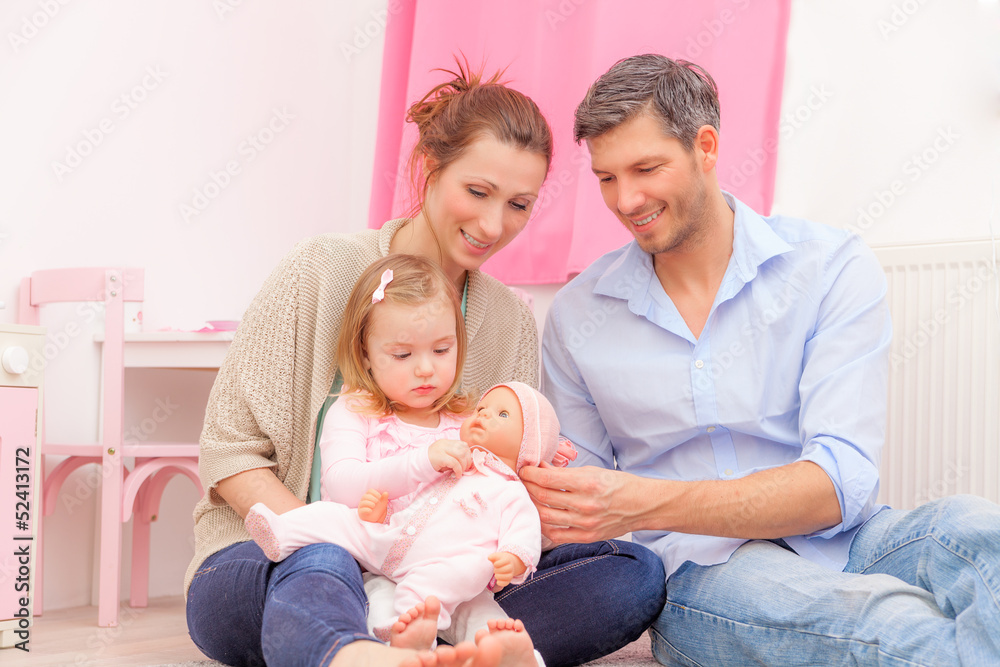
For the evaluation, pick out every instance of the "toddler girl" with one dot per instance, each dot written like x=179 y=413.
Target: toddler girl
x=396 y=429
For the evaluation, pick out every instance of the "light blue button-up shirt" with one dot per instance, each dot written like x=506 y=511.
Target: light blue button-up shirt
x=792 y=365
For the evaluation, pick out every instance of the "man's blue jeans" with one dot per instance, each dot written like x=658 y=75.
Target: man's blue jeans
x=585 y=601
x=920 y=588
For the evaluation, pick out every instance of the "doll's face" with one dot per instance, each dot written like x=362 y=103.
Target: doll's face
x=497 y=425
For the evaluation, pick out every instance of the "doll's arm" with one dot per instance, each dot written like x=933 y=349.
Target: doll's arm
x=506 y=566
x=520 y=535
x=373 y=506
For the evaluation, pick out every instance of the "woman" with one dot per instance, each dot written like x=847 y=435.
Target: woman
x=482 y=156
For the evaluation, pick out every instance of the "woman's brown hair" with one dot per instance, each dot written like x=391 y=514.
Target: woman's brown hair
x=455 y=114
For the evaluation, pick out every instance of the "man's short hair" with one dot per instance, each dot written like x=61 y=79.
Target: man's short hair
x=678 y=93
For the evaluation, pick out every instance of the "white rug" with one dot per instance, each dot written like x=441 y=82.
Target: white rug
x=636 y=654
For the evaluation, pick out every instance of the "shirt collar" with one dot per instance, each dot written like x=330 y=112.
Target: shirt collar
x=754 y=242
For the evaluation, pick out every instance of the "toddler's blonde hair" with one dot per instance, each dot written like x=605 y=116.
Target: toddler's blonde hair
x=416 y=281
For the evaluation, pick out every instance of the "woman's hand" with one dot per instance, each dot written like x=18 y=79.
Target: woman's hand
x=506 y=566
x=450 y=454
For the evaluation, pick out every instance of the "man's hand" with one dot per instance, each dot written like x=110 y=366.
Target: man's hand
x=585 y=504
x=450 y=454
x=373 y=507
x=506 y=566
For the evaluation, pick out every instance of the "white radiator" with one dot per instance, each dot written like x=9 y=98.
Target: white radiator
x=943 y=432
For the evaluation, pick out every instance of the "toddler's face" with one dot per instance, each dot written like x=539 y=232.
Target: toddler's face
x=497 y=425
x=412 y=352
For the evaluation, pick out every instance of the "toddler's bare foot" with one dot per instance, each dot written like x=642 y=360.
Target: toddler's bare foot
x=376 y=654
x=417 y=628
x=461 y=655
x=507 y=639
x=501 y=625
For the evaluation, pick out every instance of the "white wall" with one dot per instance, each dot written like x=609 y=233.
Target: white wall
x=143 y=104
x=861 y=99
x=903 y=138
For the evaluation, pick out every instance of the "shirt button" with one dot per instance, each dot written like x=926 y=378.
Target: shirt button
x=433 y=501
x=410 y=530
x=710 y=429
x=728 y=473
x=699 y=364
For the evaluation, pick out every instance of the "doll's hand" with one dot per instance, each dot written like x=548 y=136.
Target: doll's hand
x=506 y=566
x=373 y=506
x=450 y=454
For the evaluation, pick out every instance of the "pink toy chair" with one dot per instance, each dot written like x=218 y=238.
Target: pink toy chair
x=122 y=490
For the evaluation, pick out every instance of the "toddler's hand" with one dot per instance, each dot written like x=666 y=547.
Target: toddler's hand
x=453 y=454
x=506 y=566
x=373 y=506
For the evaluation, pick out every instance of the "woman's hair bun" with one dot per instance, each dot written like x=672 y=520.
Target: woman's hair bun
x=441 y=96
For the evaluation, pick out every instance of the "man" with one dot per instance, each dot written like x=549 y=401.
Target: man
x=724 y=377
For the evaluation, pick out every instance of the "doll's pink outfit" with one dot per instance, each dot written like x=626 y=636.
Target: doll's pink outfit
x=438 y=543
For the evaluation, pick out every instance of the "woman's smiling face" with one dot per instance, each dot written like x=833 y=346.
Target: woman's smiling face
x=481 y=201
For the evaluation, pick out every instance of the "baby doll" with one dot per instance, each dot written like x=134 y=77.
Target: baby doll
x=459 y=535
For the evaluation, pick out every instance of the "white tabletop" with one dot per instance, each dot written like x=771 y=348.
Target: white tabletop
x=175 y=349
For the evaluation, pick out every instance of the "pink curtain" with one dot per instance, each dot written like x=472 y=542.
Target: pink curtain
x=553 y=50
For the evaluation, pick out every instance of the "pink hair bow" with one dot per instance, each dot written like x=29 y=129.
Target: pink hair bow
x=379 y=293
x=565 y=452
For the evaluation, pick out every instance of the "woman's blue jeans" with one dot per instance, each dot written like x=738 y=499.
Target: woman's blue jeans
x=920 y=588
x=585 y=601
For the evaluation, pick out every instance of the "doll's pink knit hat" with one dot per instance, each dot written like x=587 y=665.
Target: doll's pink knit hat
x=541 y=441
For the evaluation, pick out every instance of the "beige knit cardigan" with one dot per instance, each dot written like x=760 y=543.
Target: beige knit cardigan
x=263 y=406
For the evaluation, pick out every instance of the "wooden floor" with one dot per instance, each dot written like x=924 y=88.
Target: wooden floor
x=158 y=635
x=70 y=637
